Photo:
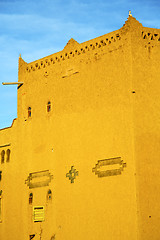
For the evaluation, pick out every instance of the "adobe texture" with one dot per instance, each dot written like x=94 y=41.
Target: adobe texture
x=83 y=158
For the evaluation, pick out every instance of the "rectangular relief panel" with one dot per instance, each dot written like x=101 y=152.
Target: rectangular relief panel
x=109 y=167
x=39 y=179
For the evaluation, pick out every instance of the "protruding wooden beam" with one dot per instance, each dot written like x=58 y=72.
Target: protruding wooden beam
x=12 y=83
x=5 y=145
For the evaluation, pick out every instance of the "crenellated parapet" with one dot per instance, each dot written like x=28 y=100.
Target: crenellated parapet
x=73 y=48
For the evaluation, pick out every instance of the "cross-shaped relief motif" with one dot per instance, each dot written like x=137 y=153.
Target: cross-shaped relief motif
x=72 y=174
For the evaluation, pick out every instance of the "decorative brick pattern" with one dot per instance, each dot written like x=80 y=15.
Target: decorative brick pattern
x=115 y=167
x=43 y=179
x=72 y=174
x=151 y=36
x=61 y=56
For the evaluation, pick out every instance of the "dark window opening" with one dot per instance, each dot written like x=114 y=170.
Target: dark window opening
x=8 y=155
x=30 y=198
x=49 y=106
x=29 y=112
x=2 y=156
x=49 y=194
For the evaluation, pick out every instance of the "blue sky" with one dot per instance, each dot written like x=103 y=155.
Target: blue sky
x=37 y=28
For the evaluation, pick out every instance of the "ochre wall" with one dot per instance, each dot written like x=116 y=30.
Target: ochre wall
x=146 y=74
x=97 y=99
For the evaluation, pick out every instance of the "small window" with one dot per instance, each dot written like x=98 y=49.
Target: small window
x=2 y=156
x=30 y=198
x=8 y=155
x=49 y=195
x=29 y=112
x=49 y=106
x=38 y=214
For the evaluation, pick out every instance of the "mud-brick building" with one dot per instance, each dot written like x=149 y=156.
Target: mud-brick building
x=81 y=160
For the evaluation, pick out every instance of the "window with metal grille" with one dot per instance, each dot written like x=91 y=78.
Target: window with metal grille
x=38 y=214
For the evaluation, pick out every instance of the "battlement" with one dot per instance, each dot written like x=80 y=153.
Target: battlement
x=73 y=48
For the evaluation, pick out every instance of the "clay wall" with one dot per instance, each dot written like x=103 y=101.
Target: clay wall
x=84 y=148
x=88 y=127
x=146 y=55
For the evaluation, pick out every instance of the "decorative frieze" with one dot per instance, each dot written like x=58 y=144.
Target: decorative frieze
x=81 y=49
